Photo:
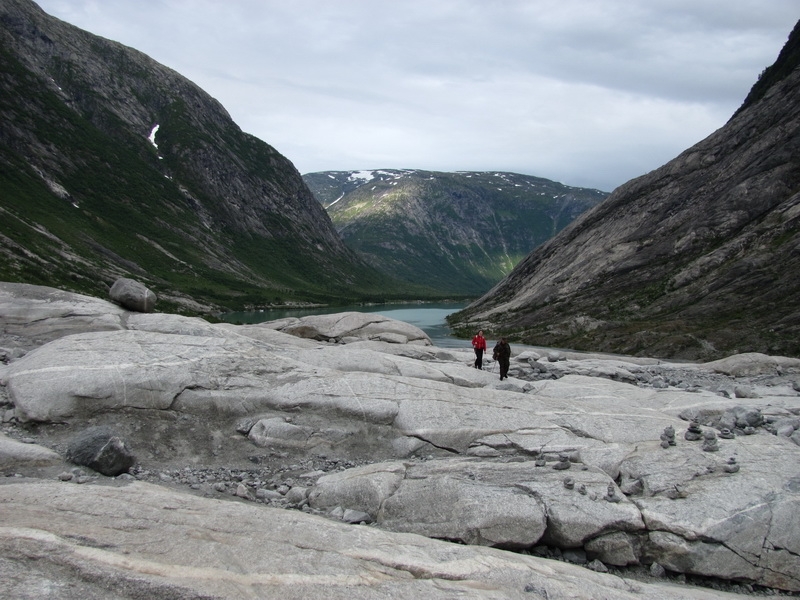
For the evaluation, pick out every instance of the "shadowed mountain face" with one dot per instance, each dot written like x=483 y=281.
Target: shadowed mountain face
x=459 y=233
x=112 y=164
x=697 y=259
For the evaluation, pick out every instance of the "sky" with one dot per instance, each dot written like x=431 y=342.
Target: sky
x=590 y=93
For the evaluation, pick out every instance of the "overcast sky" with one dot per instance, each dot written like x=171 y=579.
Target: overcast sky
x=586 y=92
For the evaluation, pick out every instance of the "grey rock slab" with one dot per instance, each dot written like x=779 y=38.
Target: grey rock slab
x=86 y=373
x=751 y=364
x=617 y=370
x=618 y=548
x=175 y=324
x=467 y=500
x=32 y=315
x=579 y=356
x=355 y=359
x=743 y=522
x=278 y=432
x=573 y=518
x=14 y=453
x=367 y=326
x=274 y=339
x=140 y=540
x=606 y=410
x=361 y=488
x=415 y=351
x=506 y=504
x=547 y=440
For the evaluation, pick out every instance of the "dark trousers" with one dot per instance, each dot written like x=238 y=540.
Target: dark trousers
x=504 y=364
x=478 y=358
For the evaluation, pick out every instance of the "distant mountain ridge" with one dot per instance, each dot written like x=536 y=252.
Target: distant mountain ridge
x=697 y=259
x=459 y=232
x=112 y=164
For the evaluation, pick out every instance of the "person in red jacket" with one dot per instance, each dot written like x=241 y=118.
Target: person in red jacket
x=479 y=344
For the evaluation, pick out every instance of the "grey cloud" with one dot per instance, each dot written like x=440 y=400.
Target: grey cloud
x=588 y=92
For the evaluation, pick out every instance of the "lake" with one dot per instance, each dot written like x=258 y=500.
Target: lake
x=429 y=316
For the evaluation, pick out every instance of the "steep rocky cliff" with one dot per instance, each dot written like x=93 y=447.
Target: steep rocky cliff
x=696 y=259
x=455 y=232
x=112 y=164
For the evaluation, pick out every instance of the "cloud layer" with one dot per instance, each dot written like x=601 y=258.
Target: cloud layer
x=588 y=92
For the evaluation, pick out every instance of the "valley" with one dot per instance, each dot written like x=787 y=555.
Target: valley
x=458 y=233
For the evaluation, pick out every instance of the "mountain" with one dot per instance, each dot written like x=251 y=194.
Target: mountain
x=697 y=259
x=112 y=164
x=459 y=233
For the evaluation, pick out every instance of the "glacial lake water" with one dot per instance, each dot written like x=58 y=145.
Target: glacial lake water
x=429 y=316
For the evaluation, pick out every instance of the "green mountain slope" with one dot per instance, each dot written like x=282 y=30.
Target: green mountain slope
x=456 y=232
x=114 y=165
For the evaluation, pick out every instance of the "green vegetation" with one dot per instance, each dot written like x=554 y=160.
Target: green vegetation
x=84 y=198
x=459 y=233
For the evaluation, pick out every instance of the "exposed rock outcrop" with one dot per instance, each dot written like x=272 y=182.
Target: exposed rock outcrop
x=408 y=438
x=695 y=260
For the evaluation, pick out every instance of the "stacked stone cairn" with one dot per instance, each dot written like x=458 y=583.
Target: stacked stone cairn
x=731 y=466
x=710 y=443
x=668 y=437
x=694 y=433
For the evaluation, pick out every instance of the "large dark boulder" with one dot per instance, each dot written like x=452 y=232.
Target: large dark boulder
x=101 y=450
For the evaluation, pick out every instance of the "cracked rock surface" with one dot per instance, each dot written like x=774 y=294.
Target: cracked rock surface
x=231 y=425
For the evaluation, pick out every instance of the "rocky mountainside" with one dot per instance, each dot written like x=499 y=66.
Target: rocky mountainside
x=112 y=164
x=697 y=259
x=456 y=232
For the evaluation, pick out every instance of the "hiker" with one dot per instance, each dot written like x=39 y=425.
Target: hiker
x=502 y=354
x=479 y=344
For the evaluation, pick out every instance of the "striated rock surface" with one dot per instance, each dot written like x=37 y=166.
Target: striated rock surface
x=695 y=260
x=140 y=540
x=565 y=458
x=352 y=326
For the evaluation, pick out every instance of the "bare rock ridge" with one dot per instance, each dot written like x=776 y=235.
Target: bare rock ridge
x=340 y=456
x=696 y=260
x=114 y=165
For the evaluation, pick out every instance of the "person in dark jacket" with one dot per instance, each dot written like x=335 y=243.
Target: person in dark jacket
x=502 y=354
x=479 y=344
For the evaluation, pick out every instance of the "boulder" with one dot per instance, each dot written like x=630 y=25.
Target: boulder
x=365 y=326
x=101 y=450
x=278 y=432
x=132 y=295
